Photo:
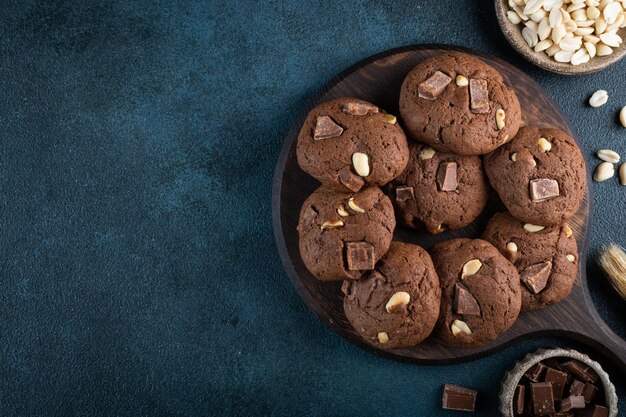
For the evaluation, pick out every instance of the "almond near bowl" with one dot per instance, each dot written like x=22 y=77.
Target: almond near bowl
x=512 y=377
x=513 y=34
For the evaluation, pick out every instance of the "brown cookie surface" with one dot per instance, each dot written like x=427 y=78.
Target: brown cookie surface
x=540 y=175
x=480 y=291
x=471 y=116
x=397 y=304
x=439 y=190
x=347 y=143
x=344 y=235
x=547 y=260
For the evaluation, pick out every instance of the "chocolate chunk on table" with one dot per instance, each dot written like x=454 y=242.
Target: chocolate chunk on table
x=464 y=301
x=520 y=404
x=535 y=372
x=572 y=402
x=433 y=86
x=326 y=128
x=458 y=398
x=404 y=193
x=542 y=398
x=446 y=176
x=350 y=180
x=580 y=371
x=535 y=277
x=360 y=256
x=589 y=392
x=576 y=388
x=543 y=189
x=479 y=96
x=558 y=380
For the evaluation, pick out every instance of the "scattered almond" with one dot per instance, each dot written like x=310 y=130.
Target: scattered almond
x=398 y=300
x=383 y=337
x=354 y=206
x=533 y=228
x=471 y=267
x=459 y=326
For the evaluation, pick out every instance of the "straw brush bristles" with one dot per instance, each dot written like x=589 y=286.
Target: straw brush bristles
x=613 y=261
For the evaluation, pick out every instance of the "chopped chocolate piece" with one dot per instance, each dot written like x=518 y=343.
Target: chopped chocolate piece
x=572 y=402
x=326 y=128
x=589 y=392
x=535 y=277
x=446 y=176
x=597 y=411
x=553 y=363
x=350 y=180
x=535 y=372
x=360 y=256
x=309 y=214
x=543 y=400
x=576 y=388
x=404 y=193
x=563 y=414
x=580 y=370
x=359 y=109
x=348 y=289
x=558 y=380
x=543 y=189
x=433 y=86
x=464 y=301
x=479 y=96
x=520 y=392
x=458 y=398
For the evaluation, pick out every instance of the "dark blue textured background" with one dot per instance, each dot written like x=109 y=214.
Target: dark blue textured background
x=139 y=271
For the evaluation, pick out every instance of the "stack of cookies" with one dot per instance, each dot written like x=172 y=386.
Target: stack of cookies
x=460 y=116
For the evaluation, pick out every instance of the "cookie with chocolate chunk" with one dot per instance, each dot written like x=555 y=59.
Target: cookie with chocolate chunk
x=349 y=143
x=457 y=103
x=344 y=235
x=547 y=260
x=540 y=175
x=480 y=292
x=397 y=304
x=439 y=190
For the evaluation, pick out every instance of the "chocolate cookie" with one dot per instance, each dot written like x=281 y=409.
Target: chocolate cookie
x=480 y=292
x=344 y=235
x=540 y=175
x=439 y=190
x=456 y=103
x=547 y=259
x=397 y=304
x=347 y=143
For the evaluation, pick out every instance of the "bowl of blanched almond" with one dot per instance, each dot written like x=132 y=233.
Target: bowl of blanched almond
x=565 y=36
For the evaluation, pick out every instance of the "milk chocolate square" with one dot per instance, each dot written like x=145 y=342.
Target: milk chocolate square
x=572 y=402
x=580 y=371
x=589 y=392
x=558 y=380
x=326 y=128
x=520 y=404
x=479 y=96
x=543 y=189
x=458 y=398
x=359 y=256
x=543 y=400
x=535 y=372
x=597 y=411
x=433 y=86
x=446 y=176
x=576 y=388
x=350 y=180
x=404 y=193
x=535 y=277
x=464 y=301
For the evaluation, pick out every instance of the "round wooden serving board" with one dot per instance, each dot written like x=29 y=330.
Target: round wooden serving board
x=378 y=80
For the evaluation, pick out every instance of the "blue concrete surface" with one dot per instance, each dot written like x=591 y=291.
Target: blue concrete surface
x=139 y=272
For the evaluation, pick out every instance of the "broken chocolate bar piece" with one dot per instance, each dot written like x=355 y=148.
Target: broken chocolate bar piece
x=479 y=96
x=576 y=388
x=563 y=414
x=350 y=180
x=404 y=193
x=572 y=402
x=433 y=86
x=359 y=256
x=543 y=400
x=558 y=380
x=520 y=393
x=458 y=398
x=535 y=277
x=535 y=372
x=359 y=109
x=597 y=411
x=580 y=371
x=464 y=301
x=326 y=128
x=446 y=176
x=309 y=214
x=543 y=189
x=553 y=363
x=589 y=392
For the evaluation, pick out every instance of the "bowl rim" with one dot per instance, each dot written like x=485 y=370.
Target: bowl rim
x=512 y=34
x=512 y=377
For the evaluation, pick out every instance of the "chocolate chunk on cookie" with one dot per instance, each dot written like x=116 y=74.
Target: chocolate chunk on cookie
x=397 y=304
x=465 y=118
x=343 y=235
x=349 y=143
x=540 y=175
x=475 y=267
x=546 y=260
x=439 y=190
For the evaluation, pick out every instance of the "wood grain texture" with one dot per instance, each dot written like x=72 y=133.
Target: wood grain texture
x=378 y=80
